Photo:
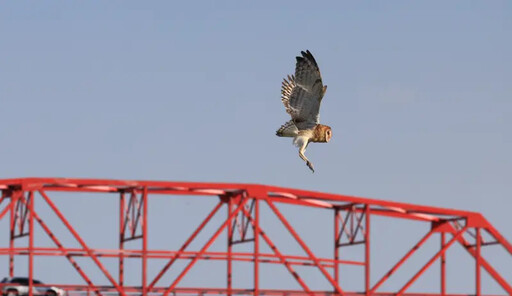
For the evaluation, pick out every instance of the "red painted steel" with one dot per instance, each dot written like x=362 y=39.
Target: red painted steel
x=352 y=217
x=230 y=249
x=82 y=242
x=336 y=245
x=144 y=240
x=282 y=258
x=443 y=265
x=256 y=246
x=121 y=238
x=31 y=244
x=477 y=262
x=367 y=251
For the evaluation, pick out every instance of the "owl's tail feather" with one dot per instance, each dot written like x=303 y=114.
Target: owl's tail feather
x=287 y=130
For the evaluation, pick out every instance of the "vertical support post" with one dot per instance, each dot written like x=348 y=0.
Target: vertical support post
x=443 y=265
x=90 y=252
x=31 y=245
x=121 y=239
x=205 y=247
x=367 y=251
x=230 y=246
x=304 y=246
x=14 y=199
x=477 y=261
x=256 y=245
x=336 y=247
x=185 y=244
x=144 y=240
x=457 y=235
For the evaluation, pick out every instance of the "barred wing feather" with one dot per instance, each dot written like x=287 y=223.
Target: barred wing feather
x=302 y=93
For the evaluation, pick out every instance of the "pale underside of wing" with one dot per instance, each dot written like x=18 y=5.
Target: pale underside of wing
x=302 y=93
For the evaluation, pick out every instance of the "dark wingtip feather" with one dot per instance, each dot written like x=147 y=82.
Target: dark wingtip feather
x=307 y=55
x=310 y=57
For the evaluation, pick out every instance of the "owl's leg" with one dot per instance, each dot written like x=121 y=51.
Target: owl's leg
x=302 y=149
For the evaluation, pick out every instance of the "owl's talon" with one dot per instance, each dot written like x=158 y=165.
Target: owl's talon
x=310 y=166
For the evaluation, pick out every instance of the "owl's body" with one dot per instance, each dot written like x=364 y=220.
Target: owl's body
x=301 y=95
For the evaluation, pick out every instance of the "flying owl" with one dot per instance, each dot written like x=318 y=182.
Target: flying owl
x=302 y=94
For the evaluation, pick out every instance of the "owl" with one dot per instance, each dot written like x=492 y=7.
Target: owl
x=301 y=95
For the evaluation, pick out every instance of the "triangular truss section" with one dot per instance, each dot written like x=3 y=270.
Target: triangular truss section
x=351 y=216
x=23 y=214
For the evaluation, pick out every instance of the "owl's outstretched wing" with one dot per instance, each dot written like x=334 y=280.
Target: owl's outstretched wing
x=302 y=93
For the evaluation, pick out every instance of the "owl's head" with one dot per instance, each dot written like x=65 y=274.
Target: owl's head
x=322 y=133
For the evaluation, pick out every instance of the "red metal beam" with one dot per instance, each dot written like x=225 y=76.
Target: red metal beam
x=56 y=183
x=443 y=265
x=360 y=210
x=64 y=251
x=492 y=272
x=401 y=261
x=144 y=240
x=121 y=238
x=432 y=260
x=185 y=245
x=504 y=243
x=278 y=253
x=243 y=257
x=12 y=226
x=82 y=242
x=31 y=244
x=367 y=251
x=205 y=247
x=337 y=236
x=81 y=290
x=229 y=236
x=304 y=247
x=477 y=262
x=5 y=211
x=256 y=230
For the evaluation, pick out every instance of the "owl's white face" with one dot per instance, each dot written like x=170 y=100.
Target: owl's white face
x=328 y=135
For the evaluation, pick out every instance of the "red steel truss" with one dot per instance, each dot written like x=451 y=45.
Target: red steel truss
x=351 y=219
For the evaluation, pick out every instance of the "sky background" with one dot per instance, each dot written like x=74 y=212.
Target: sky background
x=419 y=100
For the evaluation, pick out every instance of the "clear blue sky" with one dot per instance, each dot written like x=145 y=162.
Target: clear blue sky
x=419 y=97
